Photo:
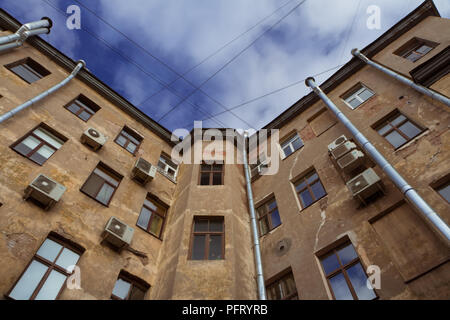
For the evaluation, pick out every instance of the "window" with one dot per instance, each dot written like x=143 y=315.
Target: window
x=152 y=216
x=211 y=174
x=444 y=189
x=358 y=96
x=45 y=276
x=416 y=49
x=167 y=167
x=82 y=107
x=102 y=184
x=398 y=129
x=129 y=140
x=291 y=145
x=208 y=241
x=268 y=217
x=310 y=189
x=129 y=287
x=283 y=288
x=433 y=70
x=39 y=144
x=345 y=274
x=28 y=70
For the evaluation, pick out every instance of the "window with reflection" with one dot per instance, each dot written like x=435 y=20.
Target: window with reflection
x=102 y=184
x=268 y=217
x=39 y=144
x=208 y=239
x=211 y=174
x=46 y=275
x=291 y=145
x=398 y=129
x=345 y=274
x=309 y=189
x=129 y=140
x=152 y=216
x=129 y=287
x=28 y=70
x=416 y=49
x=358 y=95
x=83 y=107
x=283 y=288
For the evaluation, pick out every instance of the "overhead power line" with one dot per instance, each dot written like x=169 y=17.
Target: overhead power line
x=233 y=58
x=137 y=65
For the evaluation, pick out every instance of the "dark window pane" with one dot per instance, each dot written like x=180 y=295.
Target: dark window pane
x=410 y=130
x=84 y=115
x=136 y=294
x=359 y=282
x=215 y=247
x=347 y=254
x=445 y=192
x=306 y=198
x=313 y=178
x=52 y=286
x=399 y=119
x=330 y=264
x=92 y=185
x=217 y=178
x=300 y=186
x=263 y=226
x=355 y=103
x=198 y=248
x=105 y=194
x=216 y=225
x=384 y=129
x=290 y=285
x=340 y=288
x=206 y=167
x=272 y=205
x=297 y=144
x=318 y=190
x=25 y=73
x=276 y=220
x=395 y=139
x=287 y=151
x=204 y=180
x=121 y=289
x=217 y=167
x=144 y=218
x=27 y=145
x=201 y=225
x=74 y=108
x=121 y=140
x=29 y=281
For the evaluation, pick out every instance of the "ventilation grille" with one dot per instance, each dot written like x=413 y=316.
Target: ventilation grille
x=144 y=165
x=348 y=159
x=358 y=184
x=117 y=227
x=339 y=151
x=44 y=184
x=94 y=133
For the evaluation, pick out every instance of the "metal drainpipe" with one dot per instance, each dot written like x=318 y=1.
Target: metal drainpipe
x=27 y=30
x=395 y=177
x=9 y=114
x=403 y=79
x=255 y=233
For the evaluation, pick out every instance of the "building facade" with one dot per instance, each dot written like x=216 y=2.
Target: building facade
x=192 y=235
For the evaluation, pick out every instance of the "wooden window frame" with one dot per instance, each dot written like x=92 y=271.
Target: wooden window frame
x=268 y=215
x=280 y=277
x=440 y=184
x=412 y=45
x=93 y=107
x=207 y=235
x=304 y=178
x=342 y=269
x=65 y=243
x=32 y=66
x=132 y=133
x=211 y=175
x=42 y=142
x=157 y=203
x=388 y=120
x=133 y=281
x=108 y=171
x=354 y=93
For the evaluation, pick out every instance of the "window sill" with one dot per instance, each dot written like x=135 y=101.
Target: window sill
x=413 y=140
x=91 y=197
x=147 y=232
x=271 y=231
x=166 y=175
x=284 y=158
x=312 y=204
x=362 y=104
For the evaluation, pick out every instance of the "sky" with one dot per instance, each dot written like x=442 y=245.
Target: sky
x=153 y=52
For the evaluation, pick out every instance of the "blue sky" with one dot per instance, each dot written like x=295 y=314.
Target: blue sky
x=317 y=36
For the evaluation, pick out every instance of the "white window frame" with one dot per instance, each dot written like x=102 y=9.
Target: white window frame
x=165 y=170
x=356 y=96
x=289 y=143
x=260 y=164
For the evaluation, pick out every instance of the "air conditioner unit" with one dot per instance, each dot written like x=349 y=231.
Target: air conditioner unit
x=117 y=233
x=93 y=139
x=45 y=190
x=143 y=171
x=342 y=150
x=351 y=161
x=336 y=143
x=365 y=185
